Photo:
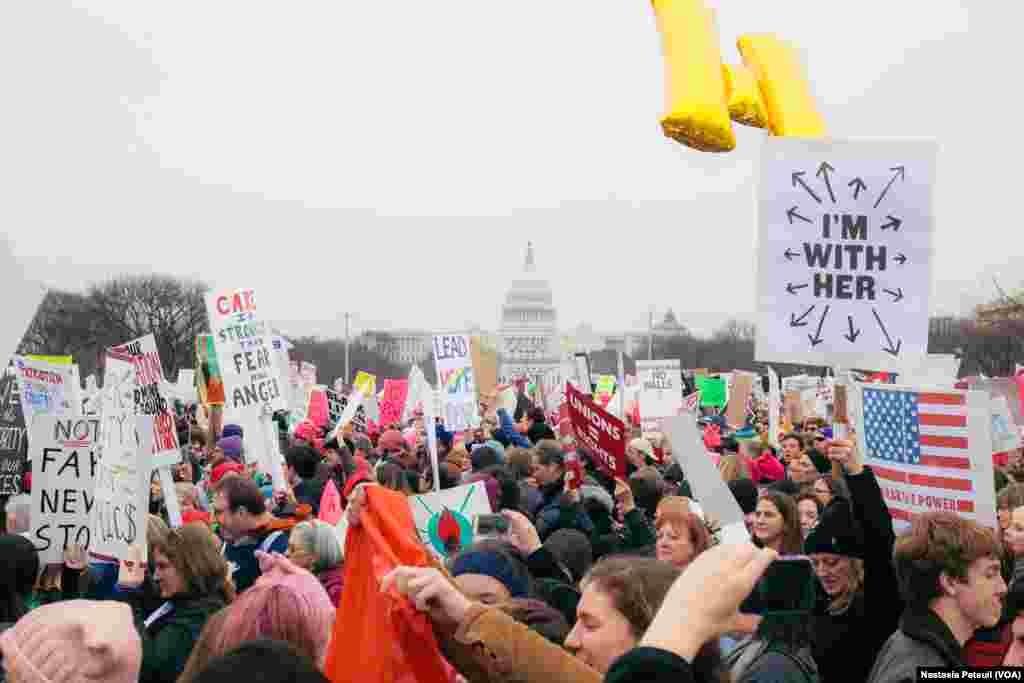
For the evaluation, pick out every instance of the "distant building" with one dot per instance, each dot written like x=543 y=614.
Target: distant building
x=528 y=341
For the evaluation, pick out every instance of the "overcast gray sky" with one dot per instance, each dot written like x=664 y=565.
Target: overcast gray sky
x=393 y=158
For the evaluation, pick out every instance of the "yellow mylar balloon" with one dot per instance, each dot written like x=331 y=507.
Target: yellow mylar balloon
x=695 y=87
x=791 y=108
x=743 y=96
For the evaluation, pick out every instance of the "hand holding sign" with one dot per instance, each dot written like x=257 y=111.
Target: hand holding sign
x=132 y=572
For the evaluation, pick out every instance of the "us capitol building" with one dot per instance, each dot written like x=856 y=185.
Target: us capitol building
x=528 y=341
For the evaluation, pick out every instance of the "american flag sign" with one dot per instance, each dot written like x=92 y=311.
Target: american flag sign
x=920 y=445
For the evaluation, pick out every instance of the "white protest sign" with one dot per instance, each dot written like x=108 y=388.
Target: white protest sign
x=245 y=353
x=143 y=355
x=119 y=515
x=715 y=497
x=64 y=459
x=455 y=381
x=45 y=388
x=661 y=393
x=934 y=369
x=444 y=519
x=844 y=256
x=22 y=297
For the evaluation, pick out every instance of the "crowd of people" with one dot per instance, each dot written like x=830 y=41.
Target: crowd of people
x=590 y=577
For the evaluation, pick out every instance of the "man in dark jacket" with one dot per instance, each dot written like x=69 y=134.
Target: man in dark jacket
x=301 y=463
x=555 y=511
x=538 y=429
x=949 y=575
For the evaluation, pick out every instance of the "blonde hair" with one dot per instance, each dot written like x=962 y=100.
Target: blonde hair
x=842 y=602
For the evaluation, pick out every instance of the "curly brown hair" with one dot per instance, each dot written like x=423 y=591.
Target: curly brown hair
x=195 y=553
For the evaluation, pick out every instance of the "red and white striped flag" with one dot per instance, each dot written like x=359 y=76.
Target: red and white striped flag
x=919 y=445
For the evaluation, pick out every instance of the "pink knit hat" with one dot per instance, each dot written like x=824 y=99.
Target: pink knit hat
x=75 y=641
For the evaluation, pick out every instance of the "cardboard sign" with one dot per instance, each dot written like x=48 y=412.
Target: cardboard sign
x=844 y=262
x=45 y=388
x=929 y=450
x=64 y=460
x=598 y=431
x=742 y=389
x=660 y=391
x=715 y=497
x=245 y=353
x=13 y=436
x=148 y=397
x=793 y=408
x=485 y=367
x=119 y=515
x=444 y=519
x=456 y=381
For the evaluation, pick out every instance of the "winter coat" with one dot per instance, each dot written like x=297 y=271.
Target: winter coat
x=539 y=431
x=169 y=634
x=650 y=665
x=875 y=611
x=922 y=640
x=490 y=646
x=554 y=515
x=508 y=430
x=273 y=538
x=333 y=580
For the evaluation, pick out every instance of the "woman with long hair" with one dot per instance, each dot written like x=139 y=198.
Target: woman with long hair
x=777 y=523
x=194 y=580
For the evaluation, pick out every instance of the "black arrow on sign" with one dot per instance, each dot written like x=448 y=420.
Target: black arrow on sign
x=900 y=172
x=896 y=296
x=789 y=254
x=816 y=337
x=798 y=178
x=852 y=336
x=901 y=259
x=892 y=350
x=792 y=289
x=858 y=186
x=792 y=213
x=893 y=223
x=823 y=171
x=799 y=322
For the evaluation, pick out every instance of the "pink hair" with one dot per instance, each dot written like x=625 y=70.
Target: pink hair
x=294 y=608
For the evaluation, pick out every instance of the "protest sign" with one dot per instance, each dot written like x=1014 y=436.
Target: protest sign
x=456 y=381
x=45 y=388
x=209 y=380
x=1001 y=386
x=583 y=379
x=336 y=405
x=712 y=391
x=119 y=514
x=844 y=255
x=605 y=389
x=929 y=450
x=1005 y=434
x=739 y=397
x=444 y=519
x=22 y=297
x=64 y=459
x=330 y=504
x=13 y=437
x=283 y=363
x=661 y=393
x=598 y=431
x=715 y=497
x=393 y=400
x=485 y=366
x=245 y=352
x=774 y=407
x=148 y=396
x=793 y=408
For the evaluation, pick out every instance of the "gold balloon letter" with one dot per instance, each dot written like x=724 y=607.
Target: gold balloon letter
x=698 y=115
x=785 y=89
x=744 y=97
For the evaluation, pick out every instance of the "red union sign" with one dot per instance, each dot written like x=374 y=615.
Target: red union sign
x=597 y=431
